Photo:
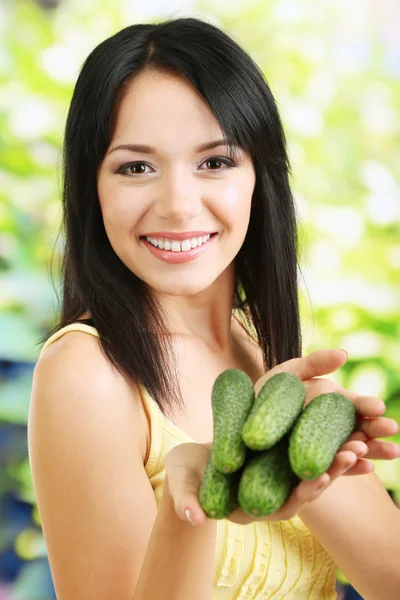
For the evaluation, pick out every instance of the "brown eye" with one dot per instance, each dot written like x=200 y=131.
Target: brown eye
x=216 y=160
x=132 y=168
x=136 y=167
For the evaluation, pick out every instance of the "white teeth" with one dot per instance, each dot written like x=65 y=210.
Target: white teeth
x=186 y=245
x=176 y=246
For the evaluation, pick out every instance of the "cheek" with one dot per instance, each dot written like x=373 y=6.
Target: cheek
x=235 y=202
x=119 y=207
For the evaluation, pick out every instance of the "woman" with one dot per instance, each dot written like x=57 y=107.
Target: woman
x=180 y=262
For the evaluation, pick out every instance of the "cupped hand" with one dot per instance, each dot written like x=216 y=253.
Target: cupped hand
x=185 y=465
x=362 y=446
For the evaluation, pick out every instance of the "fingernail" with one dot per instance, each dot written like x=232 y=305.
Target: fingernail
x=345 y=351
x=189 y=517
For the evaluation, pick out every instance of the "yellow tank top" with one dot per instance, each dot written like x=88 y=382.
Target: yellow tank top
x=278 y=560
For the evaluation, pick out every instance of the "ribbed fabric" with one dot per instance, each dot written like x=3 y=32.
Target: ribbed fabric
x=260 y=561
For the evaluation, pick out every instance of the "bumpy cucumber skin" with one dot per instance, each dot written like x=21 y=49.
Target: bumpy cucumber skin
x=218 y=491
x=266 y=481
x=275 y=410
x=232 y=398
x=325 y=424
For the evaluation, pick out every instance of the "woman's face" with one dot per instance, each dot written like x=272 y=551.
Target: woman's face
x=174 y=189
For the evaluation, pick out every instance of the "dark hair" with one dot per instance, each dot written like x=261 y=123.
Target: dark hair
x=127 y=316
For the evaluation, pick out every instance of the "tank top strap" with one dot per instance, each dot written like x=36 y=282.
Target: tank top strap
x=77 y=326
x=156 y=420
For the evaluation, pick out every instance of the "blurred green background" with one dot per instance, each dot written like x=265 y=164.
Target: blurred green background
x=334 y=68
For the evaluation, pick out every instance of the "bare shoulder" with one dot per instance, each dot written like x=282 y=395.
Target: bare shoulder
x=77 y=362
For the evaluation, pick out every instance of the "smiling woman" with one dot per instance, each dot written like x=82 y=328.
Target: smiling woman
x=180 y=262
x=154 y=100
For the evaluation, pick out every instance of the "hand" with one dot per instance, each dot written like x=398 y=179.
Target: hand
x=370 y=424
x=185 y=465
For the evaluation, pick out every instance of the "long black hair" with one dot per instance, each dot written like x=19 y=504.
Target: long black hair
x=126 y=314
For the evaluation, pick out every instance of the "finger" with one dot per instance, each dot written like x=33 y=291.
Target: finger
x=358 y=435
x=361 y=467
x=343 y=461
x=303 y=493
x=367 y=406
x=378 y=427
x=184 y=488
x=379 y=450
x=183 y=485
x=320 y=362
x=358 y=447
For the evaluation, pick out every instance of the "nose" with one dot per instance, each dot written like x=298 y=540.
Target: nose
x=178 y=197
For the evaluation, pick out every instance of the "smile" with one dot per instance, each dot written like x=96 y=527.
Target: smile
x=174 y=251
x=175 y=246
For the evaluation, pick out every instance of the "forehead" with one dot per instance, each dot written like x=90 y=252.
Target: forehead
x=156 y=107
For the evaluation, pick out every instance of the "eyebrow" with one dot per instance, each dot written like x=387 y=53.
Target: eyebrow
x=151 y=150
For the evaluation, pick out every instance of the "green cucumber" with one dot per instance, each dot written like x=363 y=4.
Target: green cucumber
x=324 y=425
x=266 y=481
x=218 y=491
x=232 y=398
x=274 y=412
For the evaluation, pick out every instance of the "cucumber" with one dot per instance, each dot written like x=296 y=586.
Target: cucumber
x=266 y=481
x=325 y=424
x=218 y=491
x=232 y=398
x=274 y=412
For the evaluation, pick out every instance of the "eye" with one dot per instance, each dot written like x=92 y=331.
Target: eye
x=129 y=168
x=219 y=159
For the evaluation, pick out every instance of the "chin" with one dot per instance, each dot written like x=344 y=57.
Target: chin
x=176 y=285
x=182 y=288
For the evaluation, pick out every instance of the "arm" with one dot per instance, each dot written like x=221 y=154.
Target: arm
x=179 y=560
x=358 y=524
x=104 y=536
